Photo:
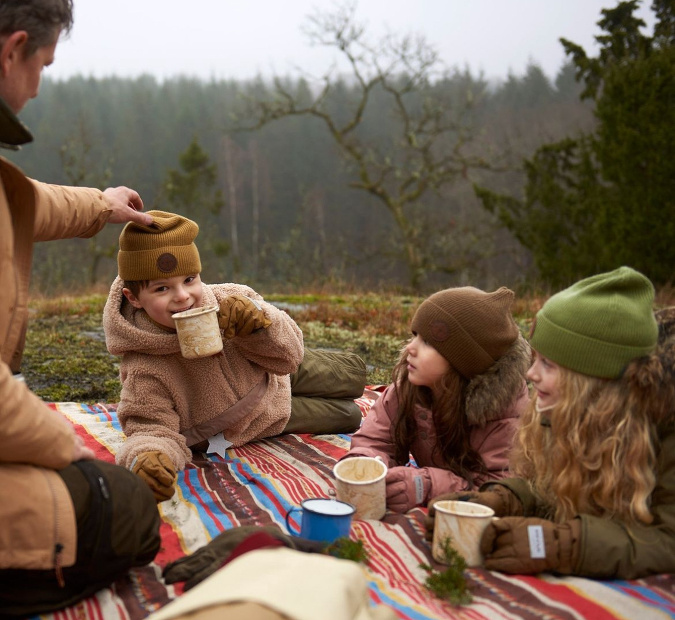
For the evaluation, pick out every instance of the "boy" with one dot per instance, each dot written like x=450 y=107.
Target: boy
x=170 y=404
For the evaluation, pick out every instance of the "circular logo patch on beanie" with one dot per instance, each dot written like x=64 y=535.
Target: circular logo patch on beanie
x=167 y=262
x=439 y=331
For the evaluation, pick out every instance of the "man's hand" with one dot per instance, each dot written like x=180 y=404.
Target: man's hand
x=407 y=487
x=80 y=451
x=157 y=470
x=126 y=206
x=521 y=545
x=240 y=316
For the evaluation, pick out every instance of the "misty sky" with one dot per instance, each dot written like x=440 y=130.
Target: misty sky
x=222 y=39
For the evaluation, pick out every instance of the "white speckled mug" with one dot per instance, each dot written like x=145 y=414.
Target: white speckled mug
x=360 y=481
x=463 y=523
x=198 y=332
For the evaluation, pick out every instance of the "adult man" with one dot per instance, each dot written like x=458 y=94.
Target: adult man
x=69 y=524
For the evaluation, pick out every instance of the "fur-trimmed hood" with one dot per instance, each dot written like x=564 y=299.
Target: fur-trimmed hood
x=489 y=394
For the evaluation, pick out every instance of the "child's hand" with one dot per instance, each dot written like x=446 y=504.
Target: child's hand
x=495 y=496
x=157 y=470
x=241 y=316
x=407 y=487
x=526 y=546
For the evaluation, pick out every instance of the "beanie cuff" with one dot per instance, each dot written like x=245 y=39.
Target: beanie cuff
x=583 y=354
x=158 y=263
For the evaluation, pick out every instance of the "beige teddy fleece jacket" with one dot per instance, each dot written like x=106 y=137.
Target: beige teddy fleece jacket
x=165 y=395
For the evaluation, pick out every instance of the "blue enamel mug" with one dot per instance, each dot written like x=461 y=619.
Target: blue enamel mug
x=323 y=519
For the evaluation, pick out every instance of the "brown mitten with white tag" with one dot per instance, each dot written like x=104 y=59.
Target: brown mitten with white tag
x=521 y=545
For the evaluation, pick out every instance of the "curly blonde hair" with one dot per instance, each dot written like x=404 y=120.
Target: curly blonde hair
x=592 y=453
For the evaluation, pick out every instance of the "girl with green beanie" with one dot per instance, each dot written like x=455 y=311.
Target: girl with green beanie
x=595 y=456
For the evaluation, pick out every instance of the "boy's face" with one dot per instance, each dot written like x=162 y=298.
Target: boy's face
x=161 y=299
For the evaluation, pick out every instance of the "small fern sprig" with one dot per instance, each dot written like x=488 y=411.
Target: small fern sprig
x=449 y=584
x=348 y=549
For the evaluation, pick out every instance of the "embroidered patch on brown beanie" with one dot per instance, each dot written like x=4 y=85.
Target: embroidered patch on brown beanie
x=162 y=249
x=470 y=328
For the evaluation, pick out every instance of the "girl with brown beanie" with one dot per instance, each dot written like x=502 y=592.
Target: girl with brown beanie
x=595 y=454
x=454 y=403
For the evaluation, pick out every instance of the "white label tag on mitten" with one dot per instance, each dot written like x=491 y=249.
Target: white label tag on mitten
x=536 y=535
x=419 y=489
x=218 y=444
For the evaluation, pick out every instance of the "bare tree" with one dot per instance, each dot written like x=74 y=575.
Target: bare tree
x=231 y=157
x=77 y=163
x=432 y=145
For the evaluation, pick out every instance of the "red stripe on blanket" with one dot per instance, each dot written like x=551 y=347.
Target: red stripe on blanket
x=564 y=594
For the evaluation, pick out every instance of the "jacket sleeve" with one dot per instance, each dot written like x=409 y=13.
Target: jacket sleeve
x=149 y=420
x=279 y=348
x=610 y=548
x=374 y=438
x=30 y=432
x=64 y=212
x=533 y=506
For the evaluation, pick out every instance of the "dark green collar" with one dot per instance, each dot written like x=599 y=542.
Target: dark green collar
x=13 y=133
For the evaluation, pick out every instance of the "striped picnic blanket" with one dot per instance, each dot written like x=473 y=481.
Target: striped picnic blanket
x=258 y=483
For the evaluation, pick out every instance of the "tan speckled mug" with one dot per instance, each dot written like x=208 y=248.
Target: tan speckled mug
x=360 y=481
x=463 y=523
x=198 y=332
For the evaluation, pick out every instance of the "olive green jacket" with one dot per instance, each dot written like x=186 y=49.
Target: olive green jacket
x=610 y=548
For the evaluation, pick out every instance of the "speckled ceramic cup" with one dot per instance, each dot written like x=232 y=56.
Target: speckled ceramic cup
x=463 y=523
x=198 y=332
x=360 y=481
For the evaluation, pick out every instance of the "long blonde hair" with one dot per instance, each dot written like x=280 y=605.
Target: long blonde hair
x=593 y=453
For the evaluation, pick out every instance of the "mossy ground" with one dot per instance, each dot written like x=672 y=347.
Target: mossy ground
x=66 y=359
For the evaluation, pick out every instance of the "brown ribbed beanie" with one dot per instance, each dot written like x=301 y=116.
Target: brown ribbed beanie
x=470 y=328
x=162 y=249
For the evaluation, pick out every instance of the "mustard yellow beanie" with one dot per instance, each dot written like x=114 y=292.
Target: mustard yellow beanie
x=162 y=249
x=470 y=328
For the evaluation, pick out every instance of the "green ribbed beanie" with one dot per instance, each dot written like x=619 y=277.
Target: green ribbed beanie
x=598 y=325
x=162 y=249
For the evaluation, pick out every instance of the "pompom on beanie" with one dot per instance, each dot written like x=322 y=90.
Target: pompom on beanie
x=470 y=328
x=598 y=325
x=159 y=250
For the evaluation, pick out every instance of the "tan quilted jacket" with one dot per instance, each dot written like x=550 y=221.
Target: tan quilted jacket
x=165 y=395
x=36 y=512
